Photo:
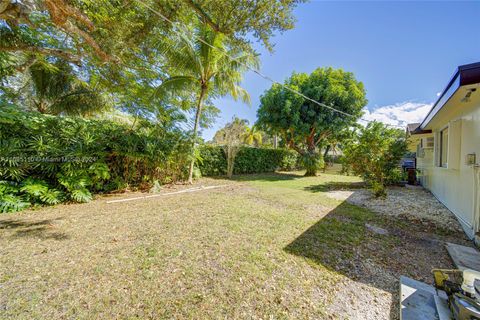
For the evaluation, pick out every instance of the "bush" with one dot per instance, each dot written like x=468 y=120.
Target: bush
x=375 y=155
x=248 y=160
x=47 y=159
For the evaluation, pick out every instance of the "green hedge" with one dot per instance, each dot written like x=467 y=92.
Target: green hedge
x=48 y=159
x=248 y=160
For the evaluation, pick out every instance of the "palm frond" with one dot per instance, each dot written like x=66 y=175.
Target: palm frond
x=176 y=85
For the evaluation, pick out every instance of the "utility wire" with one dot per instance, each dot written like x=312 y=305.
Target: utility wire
x=256 y=71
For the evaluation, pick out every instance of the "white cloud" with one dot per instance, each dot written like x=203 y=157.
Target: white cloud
x=399 y=114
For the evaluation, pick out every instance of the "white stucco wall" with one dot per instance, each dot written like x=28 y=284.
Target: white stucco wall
x=456 y=187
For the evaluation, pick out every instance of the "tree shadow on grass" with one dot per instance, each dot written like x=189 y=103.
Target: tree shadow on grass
x=40 y=229
x=344 y=242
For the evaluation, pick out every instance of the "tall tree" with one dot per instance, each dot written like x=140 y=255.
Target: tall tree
x=121 y=42
x=204 y=72
x=259 y=19
x=304 y=125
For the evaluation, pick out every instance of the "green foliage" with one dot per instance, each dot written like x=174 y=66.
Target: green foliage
x=48 y=159
x=10 y=201
x=212 y=161
x=56 y=90
x=232 y=137
x=38 y=191
x=290 y=161
x=248 y=160
x=313 y=161
x=199 y=73
x=305 y=126
x=375 y=154
x=253 y=136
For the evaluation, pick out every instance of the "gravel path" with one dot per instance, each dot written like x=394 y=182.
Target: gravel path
x=414 y=203
x=369 y=289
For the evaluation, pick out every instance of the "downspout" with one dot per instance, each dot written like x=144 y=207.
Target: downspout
x=476 y=202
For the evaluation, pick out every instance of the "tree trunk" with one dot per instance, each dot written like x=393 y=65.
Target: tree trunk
x=312 y=162
x=195 y=129
x=230 y=161
x=311 y=172
x=324 y=157
x=41 y=106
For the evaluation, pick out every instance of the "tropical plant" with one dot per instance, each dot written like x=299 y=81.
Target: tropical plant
x=48 y=159
x=375 y=154
x=252 y=136
x=56 y=90
x=205 y=69
x=304 y=125
x=232 y=137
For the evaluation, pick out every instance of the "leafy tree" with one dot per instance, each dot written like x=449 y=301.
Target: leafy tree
x=260 y=19
x=121 y=45
x=305 y=126
x=88 y=21
x=206 y=72
x=32 y=16
x=375 y=154
x=232 y=137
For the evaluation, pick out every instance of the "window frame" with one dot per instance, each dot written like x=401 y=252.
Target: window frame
x=443 y=147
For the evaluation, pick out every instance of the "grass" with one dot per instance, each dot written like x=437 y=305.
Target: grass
x=266 y=246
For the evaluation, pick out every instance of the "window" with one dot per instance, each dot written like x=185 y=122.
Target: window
x=444 y=147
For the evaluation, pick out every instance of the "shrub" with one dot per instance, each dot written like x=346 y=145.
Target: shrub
x=375 y=155
x=213 y=161
x=248 y=160
x=48 y=159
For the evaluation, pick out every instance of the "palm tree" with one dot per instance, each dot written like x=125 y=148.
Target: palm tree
x=205 y=72
x=56 y=90
x=253 y=136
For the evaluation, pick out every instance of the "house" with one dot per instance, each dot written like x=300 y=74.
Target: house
x=447 y=146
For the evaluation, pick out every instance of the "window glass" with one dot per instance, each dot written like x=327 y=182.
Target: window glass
x=443 y=147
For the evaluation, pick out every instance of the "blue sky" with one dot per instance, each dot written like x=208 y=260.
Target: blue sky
x=404 y=53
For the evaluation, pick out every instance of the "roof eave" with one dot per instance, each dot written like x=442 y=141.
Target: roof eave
x=446 y=94
x=464 y=75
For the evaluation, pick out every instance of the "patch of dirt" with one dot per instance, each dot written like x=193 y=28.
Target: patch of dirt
x=358 y=300
x=415 y=204
x=392 y=246
x=369 y=288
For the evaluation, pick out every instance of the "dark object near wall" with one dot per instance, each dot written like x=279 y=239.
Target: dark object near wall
x=412 y=176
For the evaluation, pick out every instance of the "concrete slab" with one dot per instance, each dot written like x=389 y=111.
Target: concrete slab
x=417 y=300
x=464 y=257
x=442 y=308
x=376 y=229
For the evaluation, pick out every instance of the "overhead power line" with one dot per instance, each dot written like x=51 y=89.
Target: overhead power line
x=256 y=71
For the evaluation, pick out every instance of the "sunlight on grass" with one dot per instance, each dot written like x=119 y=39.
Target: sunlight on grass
x=267 y=246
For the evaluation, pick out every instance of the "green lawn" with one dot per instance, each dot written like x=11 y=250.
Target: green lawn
x=268 y=246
